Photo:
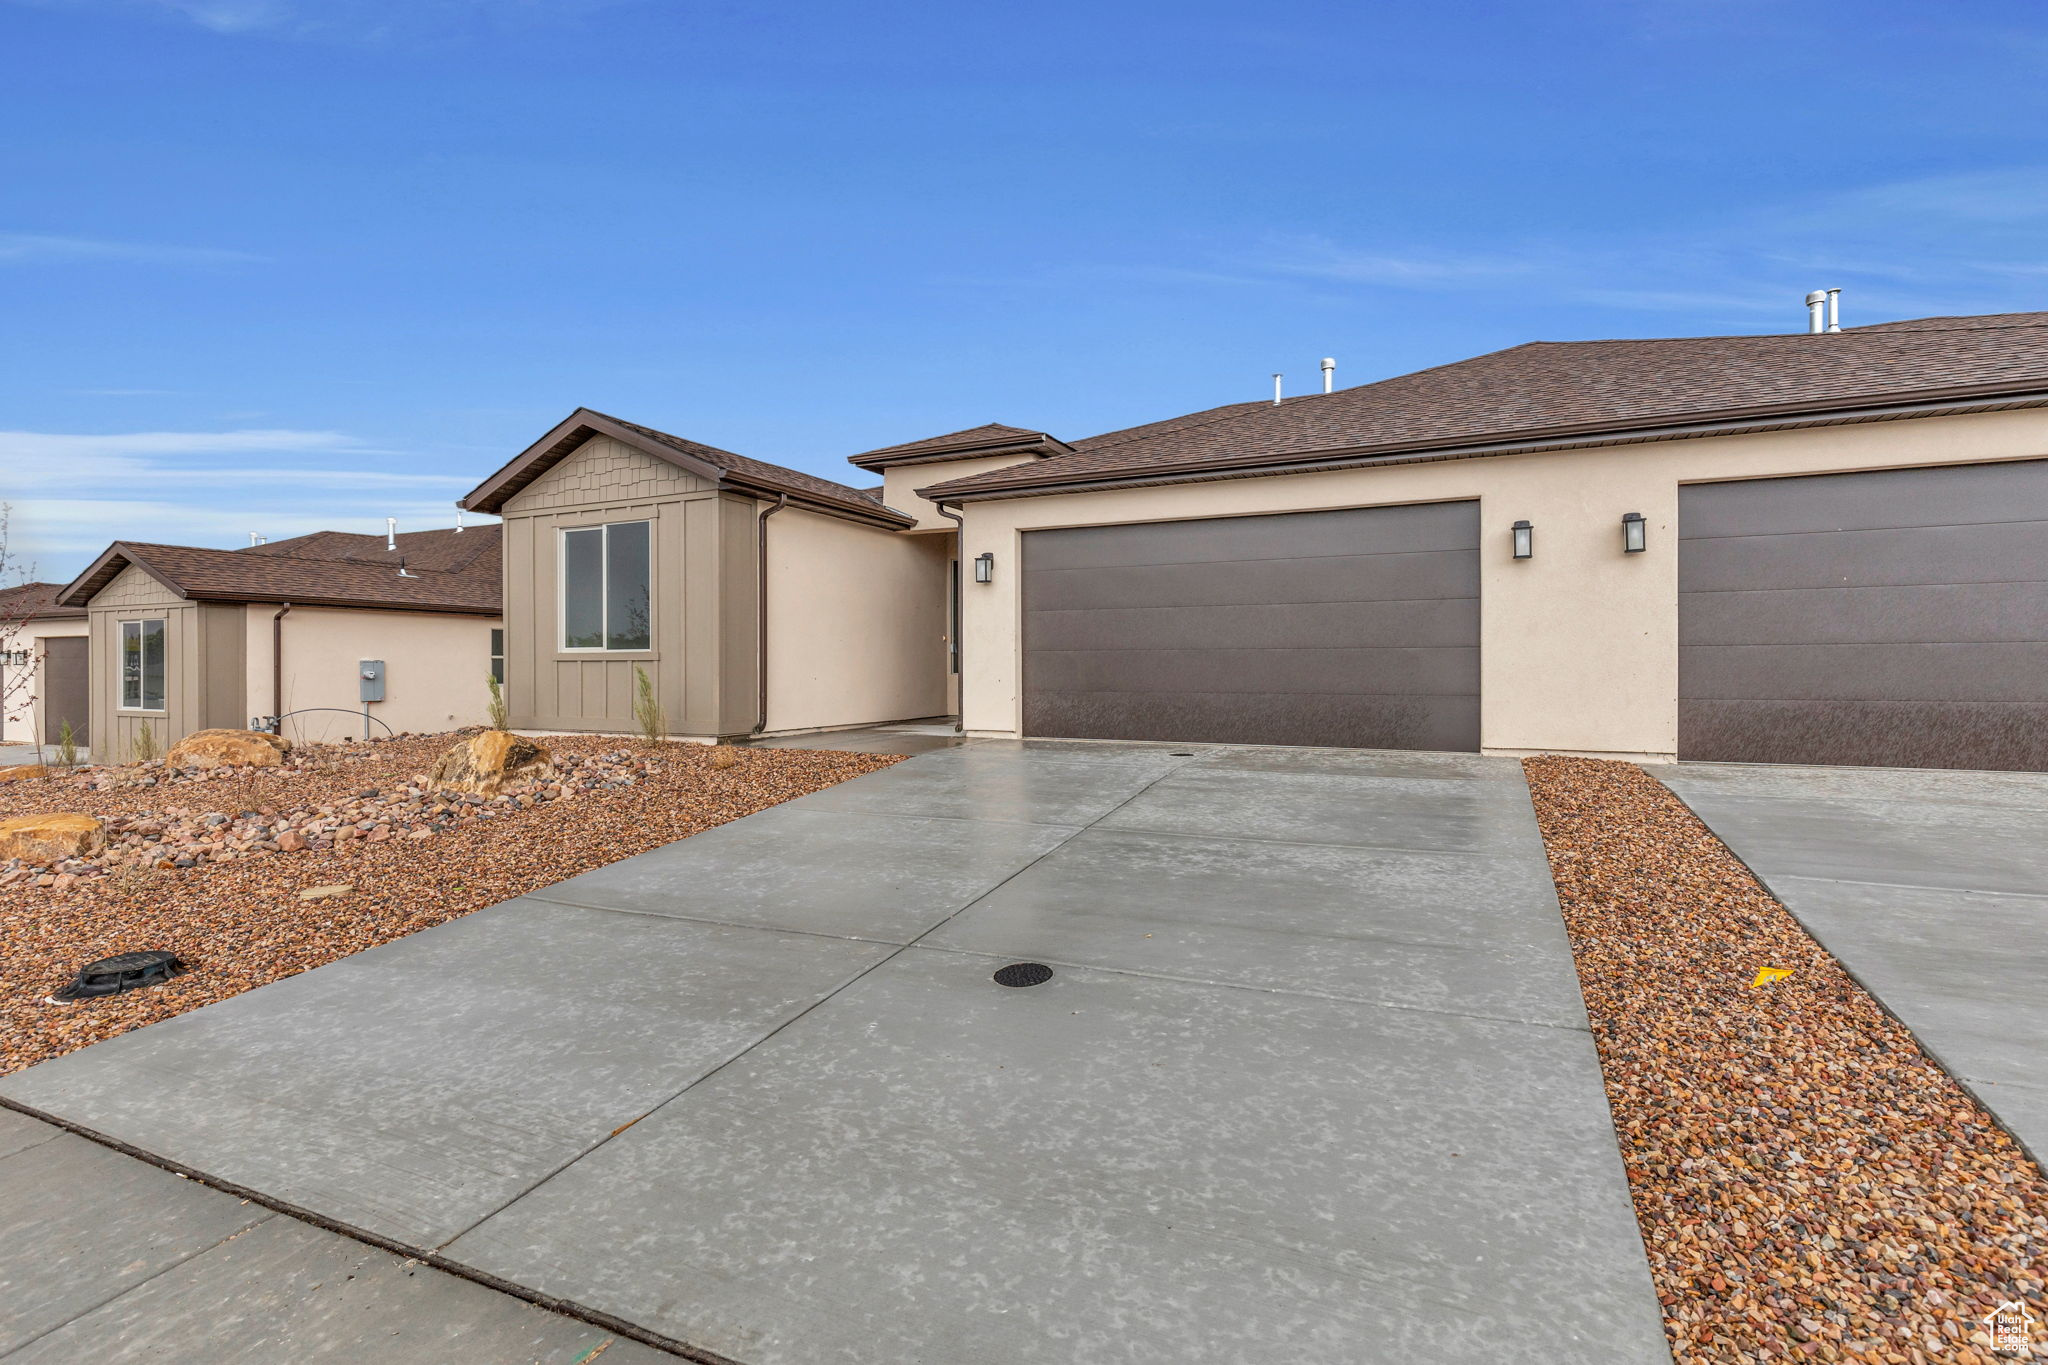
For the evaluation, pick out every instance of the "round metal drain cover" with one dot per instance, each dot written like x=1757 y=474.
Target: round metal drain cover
x=122 y=972
x=1023 y=974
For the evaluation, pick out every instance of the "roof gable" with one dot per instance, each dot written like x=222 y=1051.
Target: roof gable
x=721 y=467
x=197 y=573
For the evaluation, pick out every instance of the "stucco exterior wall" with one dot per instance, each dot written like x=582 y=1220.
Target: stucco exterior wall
x=435 y=666
x=23 y=720
x=703 y=658
x=1579 y=645
x=899 y=485
x=856 y=623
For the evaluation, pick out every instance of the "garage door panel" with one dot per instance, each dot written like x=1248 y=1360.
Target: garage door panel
x=1959 y=495
x=1418 y=575
x=1895 y=734
x=1294 y=535
x=1452 y=671
x=1955 y=612
x=1356 y=627
x=1962 y=672
x=2002 y=552
x=1429 y=622
x=1344 y=720
x=1892 y=618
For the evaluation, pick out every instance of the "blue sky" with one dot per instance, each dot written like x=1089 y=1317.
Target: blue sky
x=278 y=265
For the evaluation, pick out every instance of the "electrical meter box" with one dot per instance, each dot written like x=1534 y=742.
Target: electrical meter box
x=370 y=680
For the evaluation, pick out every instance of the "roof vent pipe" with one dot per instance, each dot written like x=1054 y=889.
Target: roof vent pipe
x=458 y=519
x=1816 y=312
x=391 y=533
x=255 y=539
x=1329 y=373
x=1834 y=310
x=1276 y=389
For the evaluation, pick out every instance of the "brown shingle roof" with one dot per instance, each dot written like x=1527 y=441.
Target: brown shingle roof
x=322 y=580
x=721 y=466
x=991 y=438
x=1558 y=390
x=442 y=550
x=35 y=602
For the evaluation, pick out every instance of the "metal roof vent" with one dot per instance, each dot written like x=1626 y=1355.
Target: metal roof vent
x=119 y=973
x=1023 y=974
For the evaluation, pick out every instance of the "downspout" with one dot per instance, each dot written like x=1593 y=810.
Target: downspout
x=277 y=670
x=959 y=625
x=781 y=501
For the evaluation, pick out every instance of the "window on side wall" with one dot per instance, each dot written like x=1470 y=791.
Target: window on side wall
x=142 y=665
x=498 y=656
x=607 y=587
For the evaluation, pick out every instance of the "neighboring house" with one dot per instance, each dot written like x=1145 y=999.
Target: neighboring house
x=185 y=638
x=43 y=666
x=1809 y=548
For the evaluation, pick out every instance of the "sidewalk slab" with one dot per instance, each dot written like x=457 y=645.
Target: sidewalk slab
x=975 y=783
x=412 y=1089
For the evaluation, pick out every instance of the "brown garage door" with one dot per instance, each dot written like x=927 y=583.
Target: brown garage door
x=1354 y=628
x=1897 y=618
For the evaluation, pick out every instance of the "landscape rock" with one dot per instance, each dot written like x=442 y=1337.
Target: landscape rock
x=47 y=838
x=321 y=893
x=22 y=770
x=484 y=763
x=228 y=749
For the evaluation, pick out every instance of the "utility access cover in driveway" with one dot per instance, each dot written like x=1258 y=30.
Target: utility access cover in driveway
x=1311 y=1086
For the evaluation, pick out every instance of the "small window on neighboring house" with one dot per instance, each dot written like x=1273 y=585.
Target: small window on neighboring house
x=498 y=655
x=142 y=665
x=607 y=588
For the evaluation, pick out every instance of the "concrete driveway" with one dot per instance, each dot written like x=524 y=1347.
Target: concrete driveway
x=1311 y=1080
x=1930 y=887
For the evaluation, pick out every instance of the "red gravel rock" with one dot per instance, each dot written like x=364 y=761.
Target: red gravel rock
x=1809 y=1184
x=238 y=922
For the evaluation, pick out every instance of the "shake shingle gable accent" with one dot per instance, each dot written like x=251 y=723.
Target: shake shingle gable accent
x=722 y=467
x=1561 y=394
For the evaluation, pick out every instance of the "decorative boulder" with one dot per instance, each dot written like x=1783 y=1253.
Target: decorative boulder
x=51 y=838
x=22 y=770
x=484 y=763
x=228 y=749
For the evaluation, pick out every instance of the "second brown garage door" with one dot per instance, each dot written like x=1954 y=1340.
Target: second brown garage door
x=1896 y=618
x=1355 y=628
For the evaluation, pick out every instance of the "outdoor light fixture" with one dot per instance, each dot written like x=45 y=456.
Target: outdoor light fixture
x=984 y=567
x=1525 y=540
x=1635 y=535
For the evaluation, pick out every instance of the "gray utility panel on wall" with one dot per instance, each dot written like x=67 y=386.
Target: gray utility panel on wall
x=370 y=680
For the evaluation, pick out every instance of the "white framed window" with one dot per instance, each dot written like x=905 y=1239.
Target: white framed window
x=142 y=665
x=498 y=654
x=606 y=587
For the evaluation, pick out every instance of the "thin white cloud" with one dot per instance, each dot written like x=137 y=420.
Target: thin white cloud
x=34 y=248
x=354 y=21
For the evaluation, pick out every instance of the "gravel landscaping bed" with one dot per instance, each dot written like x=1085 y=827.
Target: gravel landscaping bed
x=1809 y=1184
x=235 y=915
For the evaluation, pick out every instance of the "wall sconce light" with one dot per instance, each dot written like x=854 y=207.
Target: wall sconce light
x=984 y=567
x=1635 y=534
x=1525 y=540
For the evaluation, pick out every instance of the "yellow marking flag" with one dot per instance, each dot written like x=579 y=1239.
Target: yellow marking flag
x=1767 y=975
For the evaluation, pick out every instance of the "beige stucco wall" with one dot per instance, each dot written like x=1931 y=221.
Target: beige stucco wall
x=703 y=657
x=856 y=623
x=435 y=666
x=1579 y=645
x=899 y=485
x=23 y=721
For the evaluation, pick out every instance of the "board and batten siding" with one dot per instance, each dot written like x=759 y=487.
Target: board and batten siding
x=203 y=665
x=702 y=662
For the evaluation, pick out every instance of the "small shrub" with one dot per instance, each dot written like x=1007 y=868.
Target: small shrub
x=67 y=746
x=724 y=756
x=496 y=712
x=144 y=746
x=647 y=712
